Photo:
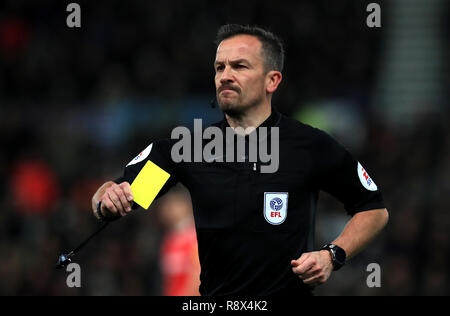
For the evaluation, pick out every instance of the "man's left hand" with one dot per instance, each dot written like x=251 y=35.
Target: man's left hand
x=314 y=268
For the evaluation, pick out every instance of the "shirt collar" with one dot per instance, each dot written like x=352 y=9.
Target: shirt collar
x=272 y=121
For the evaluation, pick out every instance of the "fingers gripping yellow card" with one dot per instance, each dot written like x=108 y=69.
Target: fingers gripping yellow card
x=148 y=183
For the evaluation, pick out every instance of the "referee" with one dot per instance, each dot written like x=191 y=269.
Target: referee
x=255 y=230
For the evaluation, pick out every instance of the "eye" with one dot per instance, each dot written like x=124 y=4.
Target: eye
x=241 y=66
x=219 y=67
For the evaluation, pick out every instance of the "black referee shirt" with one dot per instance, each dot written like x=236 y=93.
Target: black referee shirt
x=250 y=225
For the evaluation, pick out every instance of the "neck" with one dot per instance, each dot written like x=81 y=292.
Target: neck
x=251 y=118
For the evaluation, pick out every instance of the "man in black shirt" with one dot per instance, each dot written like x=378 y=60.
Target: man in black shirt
x=255 y=229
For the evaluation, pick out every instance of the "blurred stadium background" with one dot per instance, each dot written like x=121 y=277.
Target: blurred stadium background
x=76 y=105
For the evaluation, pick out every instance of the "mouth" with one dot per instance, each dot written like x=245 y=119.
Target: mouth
x=227 y=91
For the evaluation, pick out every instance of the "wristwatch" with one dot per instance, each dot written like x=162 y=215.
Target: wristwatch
x=338 y=255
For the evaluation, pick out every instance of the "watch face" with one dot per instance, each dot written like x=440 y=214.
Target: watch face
x=339 y=255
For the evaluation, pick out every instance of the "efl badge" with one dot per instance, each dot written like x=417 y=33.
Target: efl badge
x=144 y=154
x=366 y=181
x=275 y=207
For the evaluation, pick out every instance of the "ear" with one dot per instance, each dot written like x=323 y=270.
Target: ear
x=273 y=79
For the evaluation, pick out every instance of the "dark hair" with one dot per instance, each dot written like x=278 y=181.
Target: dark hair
x=272 y=46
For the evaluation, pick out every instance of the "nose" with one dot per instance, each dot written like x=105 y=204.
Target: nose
x=226 y=76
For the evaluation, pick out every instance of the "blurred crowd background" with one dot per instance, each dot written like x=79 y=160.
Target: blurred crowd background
x=77 y=104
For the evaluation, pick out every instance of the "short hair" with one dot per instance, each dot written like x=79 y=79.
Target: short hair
x=272 y=48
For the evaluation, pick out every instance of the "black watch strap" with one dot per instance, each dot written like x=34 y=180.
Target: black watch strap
x=102 y=217
x=338 y=255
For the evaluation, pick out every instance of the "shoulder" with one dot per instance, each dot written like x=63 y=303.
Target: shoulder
x=302 y=130
x=318 y=142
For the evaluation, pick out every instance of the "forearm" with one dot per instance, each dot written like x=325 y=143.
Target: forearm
x=360 y=230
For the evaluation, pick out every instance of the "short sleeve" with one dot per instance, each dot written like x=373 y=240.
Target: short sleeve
x=157 y=152
x=338 y=173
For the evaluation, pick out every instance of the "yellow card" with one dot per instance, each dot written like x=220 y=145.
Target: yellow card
x=148 y=183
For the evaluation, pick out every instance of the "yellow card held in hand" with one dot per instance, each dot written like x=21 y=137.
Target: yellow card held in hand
x=148 y=183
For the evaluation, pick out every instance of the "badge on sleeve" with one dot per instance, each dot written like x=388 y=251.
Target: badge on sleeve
x=144 y=154
x=366 y=181
x=275 y=207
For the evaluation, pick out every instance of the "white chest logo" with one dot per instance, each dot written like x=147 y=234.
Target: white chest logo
x=366 y=181
x=144 y=154
x=275 y=207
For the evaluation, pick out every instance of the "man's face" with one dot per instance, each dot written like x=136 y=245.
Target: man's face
x=240 y=74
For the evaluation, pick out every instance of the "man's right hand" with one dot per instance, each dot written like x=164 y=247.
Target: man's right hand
x=116 y=199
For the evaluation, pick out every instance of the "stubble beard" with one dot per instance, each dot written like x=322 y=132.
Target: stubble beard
x=235 y=108
x=231 y=109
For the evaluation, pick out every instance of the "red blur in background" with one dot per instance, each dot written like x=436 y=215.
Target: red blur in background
x=34 y=187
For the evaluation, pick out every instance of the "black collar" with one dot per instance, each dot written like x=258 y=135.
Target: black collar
x=272 y=121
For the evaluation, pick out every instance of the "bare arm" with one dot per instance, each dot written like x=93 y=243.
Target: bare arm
x=116 y=199
x=360 y=230
x=314 y=268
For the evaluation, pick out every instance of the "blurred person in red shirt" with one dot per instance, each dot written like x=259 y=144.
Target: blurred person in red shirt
x=180 y=265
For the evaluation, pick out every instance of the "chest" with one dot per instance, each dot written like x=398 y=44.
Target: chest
x=240 y=195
